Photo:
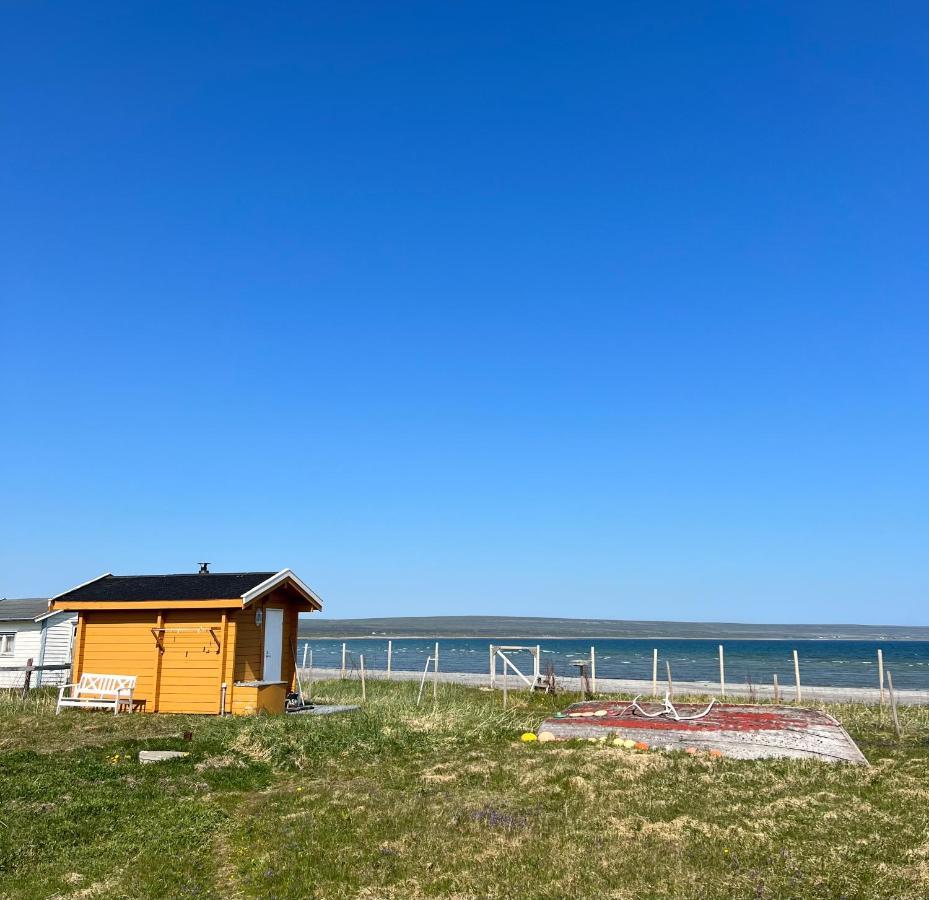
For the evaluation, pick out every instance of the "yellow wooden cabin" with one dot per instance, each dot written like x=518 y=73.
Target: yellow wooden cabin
x=214 y=642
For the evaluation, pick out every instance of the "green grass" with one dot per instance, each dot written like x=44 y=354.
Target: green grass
x=396 y=801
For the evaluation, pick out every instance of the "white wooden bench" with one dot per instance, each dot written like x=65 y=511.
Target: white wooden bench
x=98 y=692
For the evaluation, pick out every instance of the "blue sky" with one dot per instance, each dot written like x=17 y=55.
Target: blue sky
x=537 y=309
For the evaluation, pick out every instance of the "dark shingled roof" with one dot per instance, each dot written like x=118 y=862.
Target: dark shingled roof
x=18 y=610
x=131 y=588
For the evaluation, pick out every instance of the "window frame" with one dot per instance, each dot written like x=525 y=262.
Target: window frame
x=8 y=641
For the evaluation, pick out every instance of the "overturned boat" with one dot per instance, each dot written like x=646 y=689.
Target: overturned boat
x=734 y=730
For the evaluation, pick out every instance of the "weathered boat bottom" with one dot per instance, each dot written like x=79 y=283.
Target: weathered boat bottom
x=742 y=732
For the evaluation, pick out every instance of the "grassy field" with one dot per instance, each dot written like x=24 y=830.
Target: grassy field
x=443 y=801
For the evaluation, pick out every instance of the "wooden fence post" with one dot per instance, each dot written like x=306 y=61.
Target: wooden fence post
x=342 y=676
x=27 y=678
x=722 y=673
x=893 y=702
x=670 y=682
x=364 y=693
x=880 y=673
x=593 y=670
x=777 y=690
x=310 y=682
x=435 y=673
x=390 y=653
x=797 y=674
x=655 y=672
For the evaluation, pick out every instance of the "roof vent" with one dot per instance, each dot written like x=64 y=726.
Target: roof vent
x=204 y=568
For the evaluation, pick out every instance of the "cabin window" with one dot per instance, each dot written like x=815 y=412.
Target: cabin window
x=6 y=644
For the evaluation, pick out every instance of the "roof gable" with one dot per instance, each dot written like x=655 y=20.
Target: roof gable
x=285 y=576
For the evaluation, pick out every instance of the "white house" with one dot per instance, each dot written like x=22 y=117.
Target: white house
x=29 y=631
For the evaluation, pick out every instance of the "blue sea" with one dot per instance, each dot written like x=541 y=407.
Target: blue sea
x=822 y=662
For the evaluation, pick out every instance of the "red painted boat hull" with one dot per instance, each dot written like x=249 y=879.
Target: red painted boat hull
x=735 y=730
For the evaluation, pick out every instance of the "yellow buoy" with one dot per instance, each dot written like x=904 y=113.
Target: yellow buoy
x=528 y=737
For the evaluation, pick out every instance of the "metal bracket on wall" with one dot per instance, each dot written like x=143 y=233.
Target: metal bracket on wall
x=158 y=634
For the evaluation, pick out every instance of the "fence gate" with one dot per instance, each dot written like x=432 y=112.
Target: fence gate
x=502 y=651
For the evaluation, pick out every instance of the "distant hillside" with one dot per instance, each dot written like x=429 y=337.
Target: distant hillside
x=531 y=627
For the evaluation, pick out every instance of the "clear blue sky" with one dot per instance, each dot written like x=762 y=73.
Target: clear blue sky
x=570 y=309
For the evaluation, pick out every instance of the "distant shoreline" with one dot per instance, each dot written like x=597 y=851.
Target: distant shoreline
x=499 y=629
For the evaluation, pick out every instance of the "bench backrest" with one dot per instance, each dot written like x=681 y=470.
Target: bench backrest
x=106 y=684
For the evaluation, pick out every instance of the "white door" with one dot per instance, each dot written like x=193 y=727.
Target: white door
x=274 y=640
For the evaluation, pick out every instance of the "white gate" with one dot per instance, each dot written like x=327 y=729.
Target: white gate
x=502 y=651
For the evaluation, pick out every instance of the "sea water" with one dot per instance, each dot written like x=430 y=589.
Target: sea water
x=822 y=662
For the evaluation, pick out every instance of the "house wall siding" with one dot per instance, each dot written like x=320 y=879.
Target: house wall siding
x=187 y=672
x=57 y=647
x=119 y=643
x=191 y=665
x=188 y=668
x=249 y=646
x=25 y=647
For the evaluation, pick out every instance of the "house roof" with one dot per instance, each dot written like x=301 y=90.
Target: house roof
x=131 y=588
x=182 y=589
x=24 y=609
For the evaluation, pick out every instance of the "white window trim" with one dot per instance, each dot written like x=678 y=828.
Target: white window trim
x=7 y=641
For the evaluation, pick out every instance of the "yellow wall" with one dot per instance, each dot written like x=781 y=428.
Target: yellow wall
x=249 y=645
x=186 y=676
x=116 y=643
x=248 y=700
x=191 y=665
x=188 y=671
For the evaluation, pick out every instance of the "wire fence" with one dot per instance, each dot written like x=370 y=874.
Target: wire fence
x=21 y=679
x=858 y=672
x=805 y=674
